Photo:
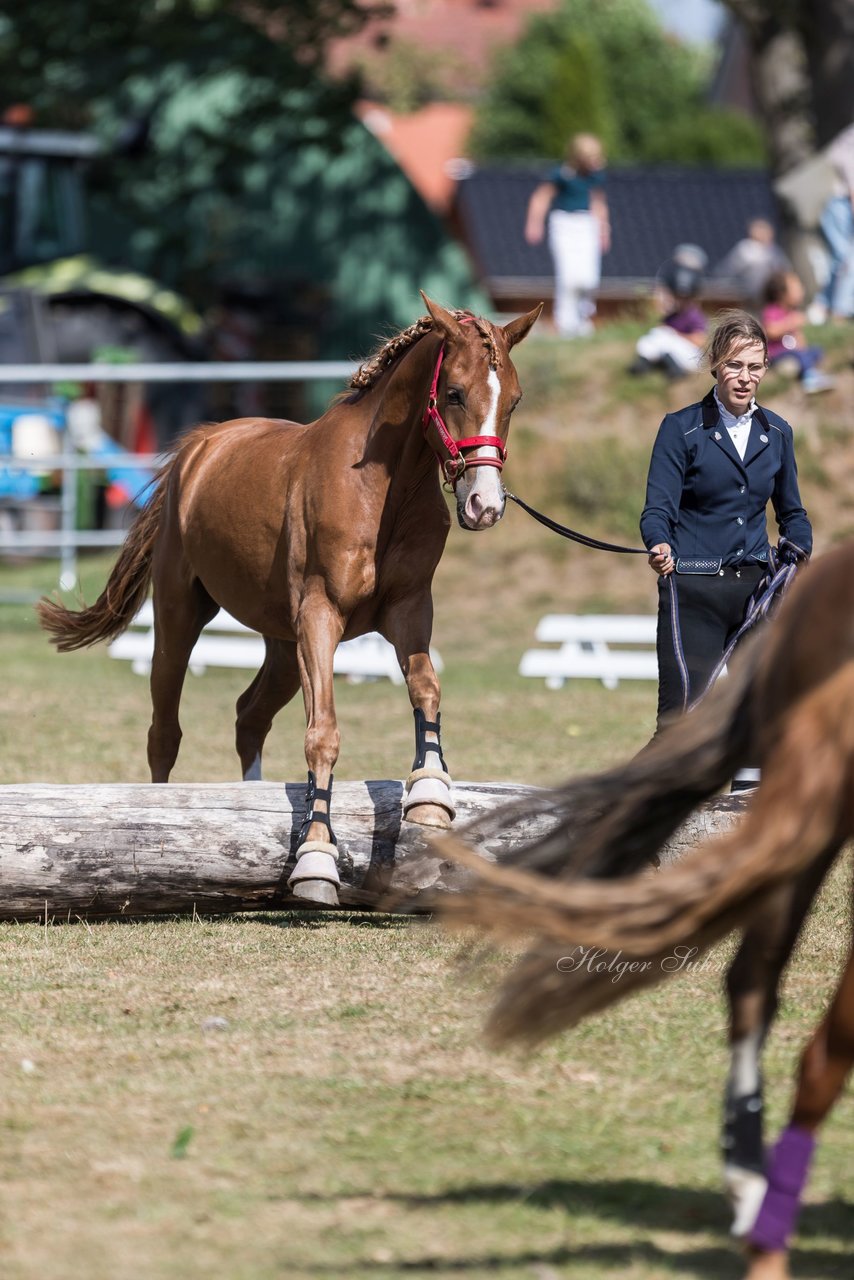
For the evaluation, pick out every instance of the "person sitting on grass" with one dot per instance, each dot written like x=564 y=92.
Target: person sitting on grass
x=783 y=319
x=675 y=344
x=752 y=261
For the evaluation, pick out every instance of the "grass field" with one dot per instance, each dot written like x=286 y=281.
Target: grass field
x=291 y=1096
x=286 y=1097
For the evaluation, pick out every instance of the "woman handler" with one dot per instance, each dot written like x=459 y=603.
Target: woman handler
x=714 y=467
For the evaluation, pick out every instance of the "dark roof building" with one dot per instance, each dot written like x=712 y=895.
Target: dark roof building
x=652 y=211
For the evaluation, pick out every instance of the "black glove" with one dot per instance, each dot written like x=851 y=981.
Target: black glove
x=788 y=553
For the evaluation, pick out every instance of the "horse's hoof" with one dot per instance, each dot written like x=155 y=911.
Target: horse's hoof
x=767 y=1266
x=746 y=1191
x=320 y=892
x=315 y=877
x=428 y=815
x=428 y=799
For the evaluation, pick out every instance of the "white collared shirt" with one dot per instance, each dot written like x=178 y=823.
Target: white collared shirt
x=738 y=428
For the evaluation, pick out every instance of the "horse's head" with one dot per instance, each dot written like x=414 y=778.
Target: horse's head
x=475 y=390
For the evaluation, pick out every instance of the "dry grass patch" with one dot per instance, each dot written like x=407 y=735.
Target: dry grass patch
x=289 y=1096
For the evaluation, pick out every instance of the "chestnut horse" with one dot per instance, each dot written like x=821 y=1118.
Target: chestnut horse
x=315 y=534
x=788 y=702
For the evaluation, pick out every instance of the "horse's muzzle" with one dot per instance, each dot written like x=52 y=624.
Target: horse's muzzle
x=475 y=518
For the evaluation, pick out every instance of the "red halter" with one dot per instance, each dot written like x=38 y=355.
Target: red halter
x=455 y=463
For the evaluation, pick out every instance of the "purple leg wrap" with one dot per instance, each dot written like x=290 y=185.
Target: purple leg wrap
x=787 y=1171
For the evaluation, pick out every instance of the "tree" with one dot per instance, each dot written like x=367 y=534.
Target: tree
x=73 y=59
x=802 y=70
x=802 y=61
x=178 y=90
x=182 y=94
x=610 y=69
x=233 y=168
x=539 y=85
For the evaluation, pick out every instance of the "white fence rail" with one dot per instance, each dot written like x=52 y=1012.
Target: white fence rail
x=606 y=647
x=221 y=371
x=67 y=539
x=225 y=642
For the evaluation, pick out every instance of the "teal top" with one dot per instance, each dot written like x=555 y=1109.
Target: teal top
x=573 y=189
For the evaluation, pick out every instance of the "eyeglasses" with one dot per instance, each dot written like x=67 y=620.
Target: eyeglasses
x=753 y=371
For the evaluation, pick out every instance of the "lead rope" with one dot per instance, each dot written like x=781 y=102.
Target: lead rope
x=572 y=534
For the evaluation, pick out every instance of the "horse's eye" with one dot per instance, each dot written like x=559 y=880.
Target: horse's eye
x=515 y=403
x=455 y=396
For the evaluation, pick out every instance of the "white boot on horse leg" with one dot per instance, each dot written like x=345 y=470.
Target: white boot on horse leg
x=315 y=877
x=741 y=1140
x=744 y=1156
x=428 y=799
x=746 y=1191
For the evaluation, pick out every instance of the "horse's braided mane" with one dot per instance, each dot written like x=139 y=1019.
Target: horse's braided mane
x=390 y=352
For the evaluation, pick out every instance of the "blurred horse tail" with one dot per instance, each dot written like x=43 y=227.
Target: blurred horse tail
x=613 y=823
x=789 y=704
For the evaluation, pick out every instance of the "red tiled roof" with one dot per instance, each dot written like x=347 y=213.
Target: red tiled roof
x=423 y=143
x=473 y=29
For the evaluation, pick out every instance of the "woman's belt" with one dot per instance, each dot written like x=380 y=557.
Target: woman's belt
x=698 y=564
x=713 y=564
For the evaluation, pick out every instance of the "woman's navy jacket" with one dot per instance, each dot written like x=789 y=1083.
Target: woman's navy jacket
x=704 y=501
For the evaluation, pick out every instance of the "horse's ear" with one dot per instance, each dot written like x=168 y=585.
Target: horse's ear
x=443 y=321
x=519 y=328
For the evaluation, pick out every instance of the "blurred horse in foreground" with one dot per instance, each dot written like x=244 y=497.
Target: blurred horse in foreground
x=788 y=704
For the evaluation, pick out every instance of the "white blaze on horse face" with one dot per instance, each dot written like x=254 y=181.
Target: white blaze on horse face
x=480 y=493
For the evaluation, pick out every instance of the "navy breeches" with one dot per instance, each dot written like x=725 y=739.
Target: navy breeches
x=711 y=609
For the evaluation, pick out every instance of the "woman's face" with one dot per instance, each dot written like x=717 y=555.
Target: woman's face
x=739 y=374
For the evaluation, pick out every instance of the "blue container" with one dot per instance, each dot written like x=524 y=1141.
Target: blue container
x=17 y=484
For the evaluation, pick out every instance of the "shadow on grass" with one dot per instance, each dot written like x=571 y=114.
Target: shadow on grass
x=624 y=1200
x=629 y=1202
x=722 y=1263
x=323 y=918
x=308 y=918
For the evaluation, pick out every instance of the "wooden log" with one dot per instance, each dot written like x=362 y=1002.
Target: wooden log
x=70 y=852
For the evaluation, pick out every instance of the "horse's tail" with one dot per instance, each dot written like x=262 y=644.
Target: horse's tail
x=602 y=940
x=126 y=589
x=615 y=822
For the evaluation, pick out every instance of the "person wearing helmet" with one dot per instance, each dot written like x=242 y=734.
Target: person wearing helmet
x=675 y=344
